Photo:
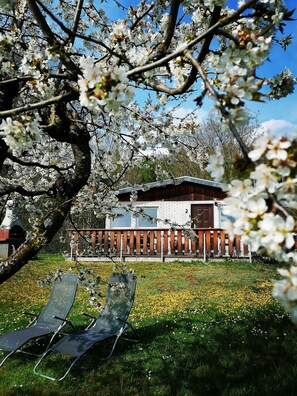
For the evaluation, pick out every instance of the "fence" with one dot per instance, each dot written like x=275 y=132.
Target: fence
x=162 y=243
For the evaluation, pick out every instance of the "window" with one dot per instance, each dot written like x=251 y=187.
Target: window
x=147 y=217
x=122 y=219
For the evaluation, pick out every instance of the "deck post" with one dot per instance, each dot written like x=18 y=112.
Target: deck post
x=250 y=253
x=71 y=248
x=241 y=248
x=204 y=247
x=162 y=246
x=121 y=247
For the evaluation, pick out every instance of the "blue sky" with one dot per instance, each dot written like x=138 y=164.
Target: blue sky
x=281 y=115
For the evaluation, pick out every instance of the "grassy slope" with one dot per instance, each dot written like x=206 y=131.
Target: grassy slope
x=204 y=330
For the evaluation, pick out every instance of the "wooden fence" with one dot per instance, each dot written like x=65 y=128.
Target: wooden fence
x=203 y=243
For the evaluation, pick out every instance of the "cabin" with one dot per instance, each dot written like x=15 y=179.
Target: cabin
x=182 y=202
x=167 y=220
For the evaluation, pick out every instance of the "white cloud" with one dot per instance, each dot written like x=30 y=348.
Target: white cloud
x=182 y=112
x=158 y=151
x=278 y=127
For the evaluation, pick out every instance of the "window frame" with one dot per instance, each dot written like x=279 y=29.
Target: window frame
x=145 y=219
x=126 y=213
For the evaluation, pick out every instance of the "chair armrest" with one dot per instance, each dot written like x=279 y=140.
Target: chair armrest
x=128 y=325
x=65 y=321
x=124 y=321
x=30 y=314
x=90 y=316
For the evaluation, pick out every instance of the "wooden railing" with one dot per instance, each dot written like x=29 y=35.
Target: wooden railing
x=202 y=242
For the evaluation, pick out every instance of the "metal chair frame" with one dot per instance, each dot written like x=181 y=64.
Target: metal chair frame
x=61 y=322
x=125 y=325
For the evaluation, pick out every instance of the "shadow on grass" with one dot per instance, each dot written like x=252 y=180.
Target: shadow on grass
x=255 y=355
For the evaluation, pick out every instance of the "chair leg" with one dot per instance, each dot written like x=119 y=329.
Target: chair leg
x=112 y=349
x=134 y=331
x=38 y=363
x=118 y=337
x=47 y=376
x=7 y=356
x=33 y=354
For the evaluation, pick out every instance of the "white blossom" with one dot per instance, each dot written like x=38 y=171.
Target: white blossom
x=216 y=166
x=255 y=201
x=240 y=189
x=260 y=148
x=285 y=290
x=277 y=149
x=265 y=177
x=101 y=88
x=21 y=133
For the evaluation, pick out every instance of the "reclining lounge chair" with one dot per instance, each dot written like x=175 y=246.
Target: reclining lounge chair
x=111 y=323
x=49 y=322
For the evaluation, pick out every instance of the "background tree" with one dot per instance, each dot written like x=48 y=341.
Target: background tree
x=74 y=85
x=190 y=152
x=211 y=137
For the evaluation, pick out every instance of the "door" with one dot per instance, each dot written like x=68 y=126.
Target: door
x=202 y=216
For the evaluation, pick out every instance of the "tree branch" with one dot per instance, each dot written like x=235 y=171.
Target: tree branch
x=22 y=191
x=44 y=103
x=47 y=32
x=37 y=164
x=224 y=112
x=193 y=74
x=170 y=29
x=76 y=19
x=138 y=19
x=50 y=37
x=180 y=51
x=82 y=36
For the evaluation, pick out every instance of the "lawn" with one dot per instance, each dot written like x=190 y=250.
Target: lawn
x=204 y=329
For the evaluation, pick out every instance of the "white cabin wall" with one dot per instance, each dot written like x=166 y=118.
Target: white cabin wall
x=178 y=212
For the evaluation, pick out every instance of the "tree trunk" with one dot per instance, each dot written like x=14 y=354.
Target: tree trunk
x=43 y=235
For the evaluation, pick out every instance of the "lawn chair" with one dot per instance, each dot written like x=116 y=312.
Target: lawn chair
x=111 y=323
x=49 y=322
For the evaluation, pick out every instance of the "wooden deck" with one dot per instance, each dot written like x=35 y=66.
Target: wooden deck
x=154 y=244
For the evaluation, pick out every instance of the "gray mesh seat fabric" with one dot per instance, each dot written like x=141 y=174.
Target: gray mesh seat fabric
x=112 y=322
x=51 y=319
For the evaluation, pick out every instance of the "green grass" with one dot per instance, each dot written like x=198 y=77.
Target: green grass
x=205 y=329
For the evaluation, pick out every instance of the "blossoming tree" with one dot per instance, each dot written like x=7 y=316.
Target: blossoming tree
x=75 y=84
